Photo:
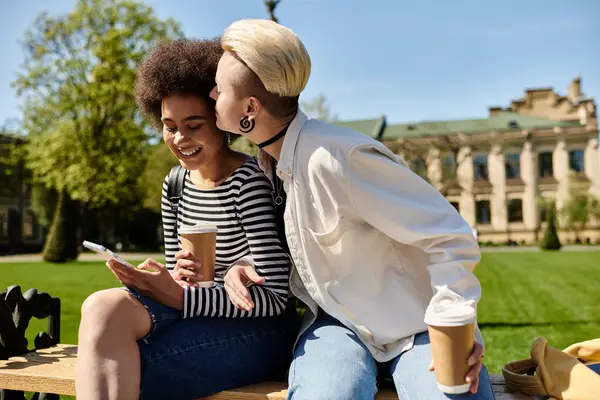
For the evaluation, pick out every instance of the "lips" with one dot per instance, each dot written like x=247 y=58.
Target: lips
x=189 y=152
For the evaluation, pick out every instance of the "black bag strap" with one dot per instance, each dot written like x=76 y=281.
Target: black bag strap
x=279 y=198
x=175 y=190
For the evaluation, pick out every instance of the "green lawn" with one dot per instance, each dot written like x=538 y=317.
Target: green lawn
x=525 y=295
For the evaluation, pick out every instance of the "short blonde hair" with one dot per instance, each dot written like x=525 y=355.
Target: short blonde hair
x=273 y=52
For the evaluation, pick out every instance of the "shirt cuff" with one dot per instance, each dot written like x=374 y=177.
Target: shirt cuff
x=191 y=301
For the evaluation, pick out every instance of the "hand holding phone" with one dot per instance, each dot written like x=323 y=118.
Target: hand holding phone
x=106 y=253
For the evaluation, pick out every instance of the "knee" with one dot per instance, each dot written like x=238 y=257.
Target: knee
x=334 y=390
x=107 y=310
x=348 y=381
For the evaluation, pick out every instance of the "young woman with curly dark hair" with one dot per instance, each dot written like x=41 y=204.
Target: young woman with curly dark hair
x=165 y=336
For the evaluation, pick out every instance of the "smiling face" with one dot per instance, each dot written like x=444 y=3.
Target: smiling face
x=190 y=131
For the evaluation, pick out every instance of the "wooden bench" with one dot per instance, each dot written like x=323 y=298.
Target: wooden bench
x=52 y=370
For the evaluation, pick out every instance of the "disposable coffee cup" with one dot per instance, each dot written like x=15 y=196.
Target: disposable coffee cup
x=201 y=242
x=451 y=333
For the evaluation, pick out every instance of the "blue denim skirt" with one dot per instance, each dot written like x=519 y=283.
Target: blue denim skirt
x=198 y=357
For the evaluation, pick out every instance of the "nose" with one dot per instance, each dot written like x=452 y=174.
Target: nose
x=213 y=94
x=179 y=138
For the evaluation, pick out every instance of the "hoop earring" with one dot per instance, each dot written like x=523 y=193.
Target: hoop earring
x=246 y=125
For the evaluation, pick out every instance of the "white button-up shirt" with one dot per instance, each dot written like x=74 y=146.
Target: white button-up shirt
x=368 y=237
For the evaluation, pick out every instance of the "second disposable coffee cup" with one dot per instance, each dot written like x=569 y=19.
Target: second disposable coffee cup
x=451 y=333
x=201 y=242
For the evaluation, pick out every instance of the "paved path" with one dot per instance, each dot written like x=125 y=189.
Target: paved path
x=82 y=257
x=160 y=256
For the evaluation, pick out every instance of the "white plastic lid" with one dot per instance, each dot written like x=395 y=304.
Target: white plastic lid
x=200 y=228
x=449 y=309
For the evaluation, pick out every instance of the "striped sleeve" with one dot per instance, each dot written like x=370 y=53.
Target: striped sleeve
x=256 y=212
x=168 y=220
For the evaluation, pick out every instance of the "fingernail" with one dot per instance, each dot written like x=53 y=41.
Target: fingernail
x=469 y=379
x=471 y=361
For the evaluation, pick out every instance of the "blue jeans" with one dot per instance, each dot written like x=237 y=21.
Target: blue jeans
x=331 y=363
x=198 y=357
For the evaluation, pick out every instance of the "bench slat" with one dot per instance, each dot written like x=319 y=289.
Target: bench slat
x=49 y=371
x=53 y=371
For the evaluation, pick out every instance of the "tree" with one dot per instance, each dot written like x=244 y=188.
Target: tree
x=271 y=6
x=86 y=139
x=550 y=240
x=579 y=207
x=318 y=108
x=61 y=243
x=417 y=154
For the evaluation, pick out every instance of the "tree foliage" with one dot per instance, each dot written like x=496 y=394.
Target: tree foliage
x=579 y=208
x=319 y=108
x=85 y=135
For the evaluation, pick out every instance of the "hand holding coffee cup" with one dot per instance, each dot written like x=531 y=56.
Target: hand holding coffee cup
x=188 y=270
x=198 y=255
x=451 y=322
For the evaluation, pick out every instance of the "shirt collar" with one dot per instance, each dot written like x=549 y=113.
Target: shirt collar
x=288 y=149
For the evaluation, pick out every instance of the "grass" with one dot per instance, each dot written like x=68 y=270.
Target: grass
x=525 y=295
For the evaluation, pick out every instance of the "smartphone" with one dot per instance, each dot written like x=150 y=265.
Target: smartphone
x=106 y=253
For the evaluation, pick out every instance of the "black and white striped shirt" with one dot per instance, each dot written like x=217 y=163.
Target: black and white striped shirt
x=243 y=211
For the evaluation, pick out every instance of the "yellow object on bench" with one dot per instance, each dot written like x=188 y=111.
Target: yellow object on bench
x=52 y=370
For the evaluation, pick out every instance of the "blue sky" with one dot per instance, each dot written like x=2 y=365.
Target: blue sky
x=412 y=60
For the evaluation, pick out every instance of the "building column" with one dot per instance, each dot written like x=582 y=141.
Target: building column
x=464 y=176
x=560 y=165
x=529 y=175
x=434 y=167
x=592 y=166
x=497 y=172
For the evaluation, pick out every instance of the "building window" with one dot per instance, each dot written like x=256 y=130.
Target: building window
x=30 y=226
x=483 y=212
x=456 y=205
x=449 y=167
x=512 y=164
x=480 y=166
x=576 y=162
x=418 y=166
x=545 y=165
x=515 y=210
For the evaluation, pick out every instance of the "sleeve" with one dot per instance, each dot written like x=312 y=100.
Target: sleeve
x=256 y=212
x=169 y=219
x=387 y=195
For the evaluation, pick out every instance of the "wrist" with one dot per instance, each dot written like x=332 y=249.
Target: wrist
x=177 y=297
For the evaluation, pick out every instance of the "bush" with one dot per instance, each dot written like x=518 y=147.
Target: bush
x=61 y=243
x=550 y=240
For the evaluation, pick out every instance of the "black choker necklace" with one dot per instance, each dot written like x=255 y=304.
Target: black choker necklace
x=273 y=139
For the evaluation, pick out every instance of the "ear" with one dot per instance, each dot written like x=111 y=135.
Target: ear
x=253 y=107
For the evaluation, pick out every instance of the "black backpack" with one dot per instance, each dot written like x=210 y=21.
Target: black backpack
x=175 y=190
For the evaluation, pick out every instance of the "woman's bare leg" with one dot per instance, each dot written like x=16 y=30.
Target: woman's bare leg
x=108 y=359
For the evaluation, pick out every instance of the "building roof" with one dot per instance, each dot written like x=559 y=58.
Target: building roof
x=501 y=121
x=370 y=127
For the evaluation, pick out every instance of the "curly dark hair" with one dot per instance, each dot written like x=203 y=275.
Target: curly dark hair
x=183 y=66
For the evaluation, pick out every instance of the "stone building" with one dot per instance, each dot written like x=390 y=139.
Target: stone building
x=498 y=170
